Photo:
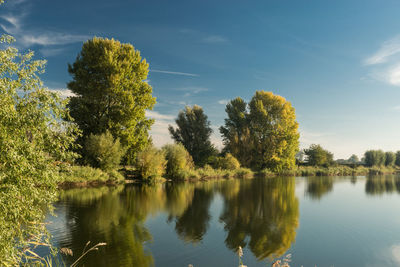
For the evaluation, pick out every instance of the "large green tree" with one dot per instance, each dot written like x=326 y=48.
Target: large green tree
x=262 y=133
x=111 y=92
x=194 y=132
x=236 y=132
x=375 y=158
x=34 y=141
x=318 y=156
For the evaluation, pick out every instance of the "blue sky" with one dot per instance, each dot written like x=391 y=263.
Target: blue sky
x=338 y=62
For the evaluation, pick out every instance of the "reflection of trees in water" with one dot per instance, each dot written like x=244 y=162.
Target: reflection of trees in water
x=193 y=223
x=263 y=215
x=319 y=186
x=378 y=185
x=263 y=212
x=109 y=217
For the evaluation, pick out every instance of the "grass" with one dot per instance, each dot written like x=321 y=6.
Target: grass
x=56 y=261
x=85 y=175
x=207 y=172
x=339 y=170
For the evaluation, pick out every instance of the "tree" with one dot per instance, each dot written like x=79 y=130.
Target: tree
x=236 y=132
x=178 y=159
x=194 y=132
x=150 y=163
x=111 y=93
x=102 y=151
x=263 y=133
x=353 y=159
x=375 y=158
x=390 y=158
x=397 y=162
x=34 y=141
x=317 y=156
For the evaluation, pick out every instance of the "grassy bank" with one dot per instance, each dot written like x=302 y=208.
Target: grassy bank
x=81 y=176
x=338 y=171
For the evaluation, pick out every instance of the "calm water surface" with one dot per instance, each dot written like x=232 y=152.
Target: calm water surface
x=323 y=221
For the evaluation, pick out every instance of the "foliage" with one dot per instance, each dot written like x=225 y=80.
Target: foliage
x=390 y=158
x=87 y=175
x=208 y=172
x=228 y=162
x=150 y=163
x=397 y=162
x=353 y=159
x=317 y=156
x=236 y=132
x=194 y=132
x=102 y=151
x=178 y=159
x=375 y=158
x=264 y=135
x=111 y=92
x=33 y=141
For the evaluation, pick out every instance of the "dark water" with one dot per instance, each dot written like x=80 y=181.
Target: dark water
x=323 y=221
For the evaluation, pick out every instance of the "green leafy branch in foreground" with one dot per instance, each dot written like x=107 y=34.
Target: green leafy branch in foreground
x=34 y=140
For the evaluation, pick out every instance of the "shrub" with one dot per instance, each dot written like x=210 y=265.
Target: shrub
x=86 y=174
x=228 y=162
x=178 y=161
x=150 y=163
x=102 y=151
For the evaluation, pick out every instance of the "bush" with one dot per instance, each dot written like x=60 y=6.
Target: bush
x=102 y=151
x=228 y=162
x=150 y=163
x=179 y=161
x=86 y=174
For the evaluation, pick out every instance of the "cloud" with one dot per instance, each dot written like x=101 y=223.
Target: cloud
x=159 y=130
x=214 y=39
x=158 y=116
x=14 y=25
x=215 y=137
x=386 y=62
x=51 y=38
x=223 y=101
x=204 y=37
x=387 y=50
x=64 y=93
x=192 y=90
x=175 y=73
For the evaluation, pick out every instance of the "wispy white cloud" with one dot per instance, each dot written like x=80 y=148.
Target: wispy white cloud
x=14 y=25
x=387 y=50
x=204 y=37
x=192 y=90
x=385 y=62
x=51 y=38
x=223 y=101
x=175 y=73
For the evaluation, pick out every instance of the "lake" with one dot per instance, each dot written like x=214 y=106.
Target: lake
x=323 y=221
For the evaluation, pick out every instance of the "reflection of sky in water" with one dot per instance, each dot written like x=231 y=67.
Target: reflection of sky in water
x=342 y=222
